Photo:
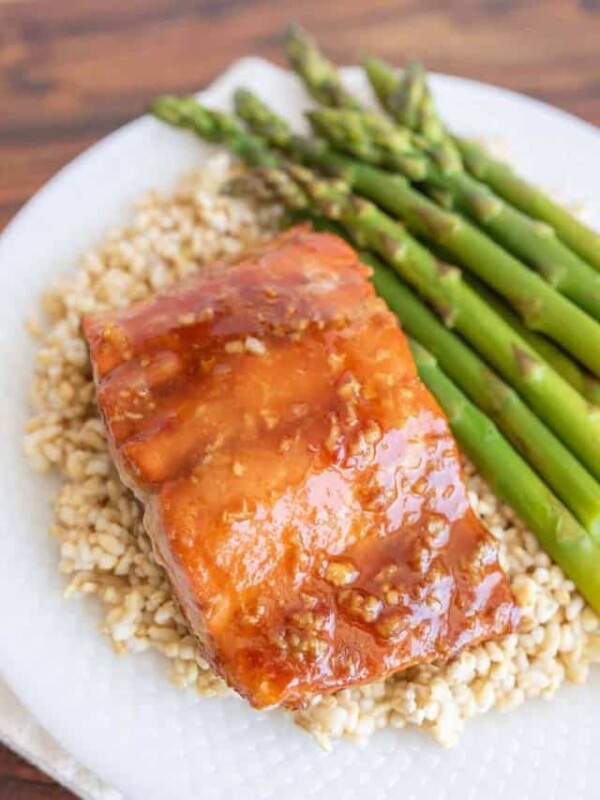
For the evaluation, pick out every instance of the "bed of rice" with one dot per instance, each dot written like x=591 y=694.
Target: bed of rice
x=104 y=549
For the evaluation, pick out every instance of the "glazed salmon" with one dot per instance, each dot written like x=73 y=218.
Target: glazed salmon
x=301 y=486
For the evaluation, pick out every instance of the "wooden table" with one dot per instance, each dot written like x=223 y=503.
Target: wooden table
x=73 y=70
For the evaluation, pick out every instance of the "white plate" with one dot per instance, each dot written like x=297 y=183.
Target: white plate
x=120 y=716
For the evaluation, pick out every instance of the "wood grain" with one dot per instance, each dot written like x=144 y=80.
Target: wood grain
x=70 y=72
x=20 y=781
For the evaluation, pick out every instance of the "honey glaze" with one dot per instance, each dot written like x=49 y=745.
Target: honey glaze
x=305 y=490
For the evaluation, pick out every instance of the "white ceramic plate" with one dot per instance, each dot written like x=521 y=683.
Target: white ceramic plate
x=120 y=716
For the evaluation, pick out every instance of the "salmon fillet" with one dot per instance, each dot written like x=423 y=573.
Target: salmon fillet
x=301 y=486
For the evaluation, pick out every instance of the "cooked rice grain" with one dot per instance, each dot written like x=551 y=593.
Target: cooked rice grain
x=104 y=549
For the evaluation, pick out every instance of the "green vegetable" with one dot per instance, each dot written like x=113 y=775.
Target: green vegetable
x=404 y=106
x=325 y=85
x=536 y=443
x=511 y=478
x=379 y=142
x=539 y=306
x=214 y=127
x=585 y=383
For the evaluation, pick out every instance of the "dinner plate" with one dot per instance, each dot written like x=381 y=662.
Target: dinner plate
x=120 y=716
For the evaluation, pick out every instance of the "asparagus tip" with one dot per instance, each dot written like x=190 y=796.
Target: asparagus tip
x=370 y=63
x=294 y=32
x=167 y=107
x=373 y=66
x=240 y=95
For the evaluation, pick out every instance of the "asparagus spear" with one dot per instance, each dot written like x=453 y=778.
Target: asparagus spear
x=555 y=401
x=580 y=379
x=537 y=444
x=502 y=179
x=324 y=83
x=214 y=127
x=407 y=99
x=585 y=383
x=515 y=482
x=418 y=113
x=532 y=200
x=410 y=102
x=378 y=142
x=326 y=86
x=540 y=307
x=566 y=367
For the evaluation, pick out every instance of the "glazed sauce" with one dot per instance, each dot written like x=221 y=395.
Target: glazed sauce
x=312 y=513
